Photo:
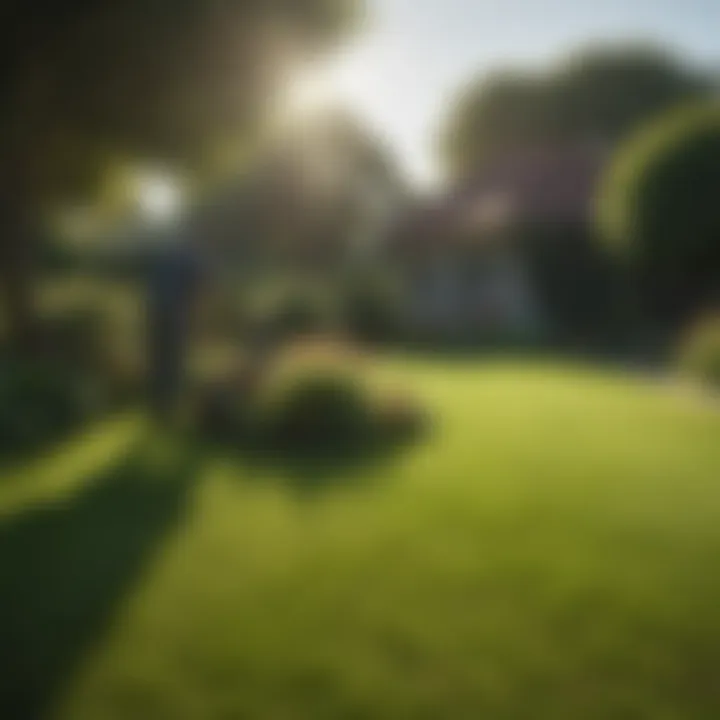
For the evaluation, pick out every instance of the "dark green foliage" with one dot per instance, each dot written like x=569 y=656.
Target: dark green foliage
x=316 y=410
x=293 y=312
x=372 y=309
x=699 y=355
x=601 y=94
x=659 y=208
x=503 y=112
x=155 y=76
x=309 y=400
x=98 y=345
x=579 y=284
x=300 y=313
x=86 y=365
x=40 y=401
x=76 y=336
x=609 y=92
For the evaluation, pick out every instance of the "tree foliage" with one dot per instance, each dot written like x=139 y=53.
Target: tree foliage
x=86 y=81
x=601 y=94
x=659 y=206
x=147 y=77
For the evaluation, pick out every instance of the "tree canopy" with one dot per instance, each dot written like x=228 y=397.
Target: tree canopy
x=599 y=95
x=86 y=81
x=146 y=77
x=659 y=207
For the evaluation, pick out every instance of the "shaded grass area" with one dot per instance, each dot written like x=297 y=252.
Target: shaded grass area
x=307 y=474
x=549 y=551
x=59 y=470
x=67 y=564
x=318 y=467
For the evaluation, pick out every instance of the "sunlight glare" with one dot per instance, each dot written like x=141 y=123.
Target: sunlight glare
x=159 y=196
x=322 y=88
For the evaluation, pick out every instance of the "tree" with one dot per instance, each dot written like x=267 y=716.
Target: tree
x=659 y=208
x=503 y=112
x=321 y=194
x=86 y=81
x=601 y=94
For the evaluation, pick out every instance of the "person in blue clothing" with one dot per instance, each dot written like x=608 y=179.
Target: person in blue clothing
x=175 y=277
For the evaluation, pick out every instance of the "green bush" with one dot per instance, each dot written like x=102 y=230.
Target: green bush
x=75 y=335
x=314 y=406
x=39 y=401
x=658 y=208
x=96 y=346
x=372 y=309
x=294 y=313
x=80 y=368
x=700 y=350
x=315 y=398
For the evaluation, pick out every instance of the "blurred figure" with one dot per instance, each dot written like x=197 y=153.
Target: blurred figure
x=172 y=293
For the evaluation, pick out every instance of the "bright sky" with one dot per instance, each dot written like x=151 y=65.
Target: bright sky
x=401 y=72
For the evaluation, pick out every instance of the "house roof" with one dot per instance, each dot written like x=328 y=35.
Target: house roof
x=539 y=185
x=544 y=184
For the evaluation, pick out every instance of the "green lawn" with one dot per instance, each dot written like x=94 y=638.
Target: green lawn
x=550 y=551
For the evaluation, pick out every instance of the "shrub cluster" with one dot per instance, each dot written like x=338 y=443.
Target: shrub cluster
x=81 y=368
x=41 y=400
x=291 y=312
x=700 y=350
x=372 y=309
x=314 y=398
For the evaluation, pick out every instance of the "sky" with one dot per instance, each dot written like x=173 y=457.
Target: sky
x=401 y=72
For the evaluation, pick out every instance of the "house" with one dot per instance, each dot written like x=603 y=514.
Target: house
x=466 y=256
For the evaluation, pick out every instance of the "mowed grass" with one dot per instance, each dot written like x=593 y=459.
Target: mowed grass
x=550 y=550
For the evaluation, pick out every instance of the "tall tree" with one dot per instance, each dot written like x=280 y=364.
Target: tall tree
x=84 y=81
x=601 y=94
x=659 y=208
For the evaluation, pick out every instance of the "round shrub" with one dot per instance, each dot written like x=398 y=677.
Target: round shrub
x=658 y=207
x=700 y=350
x=314 y=406
x=315 y=398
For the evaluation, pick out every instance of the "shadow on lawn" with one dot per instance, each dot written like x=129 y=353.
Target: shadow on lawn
x=65 y=569
x=308 y=470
